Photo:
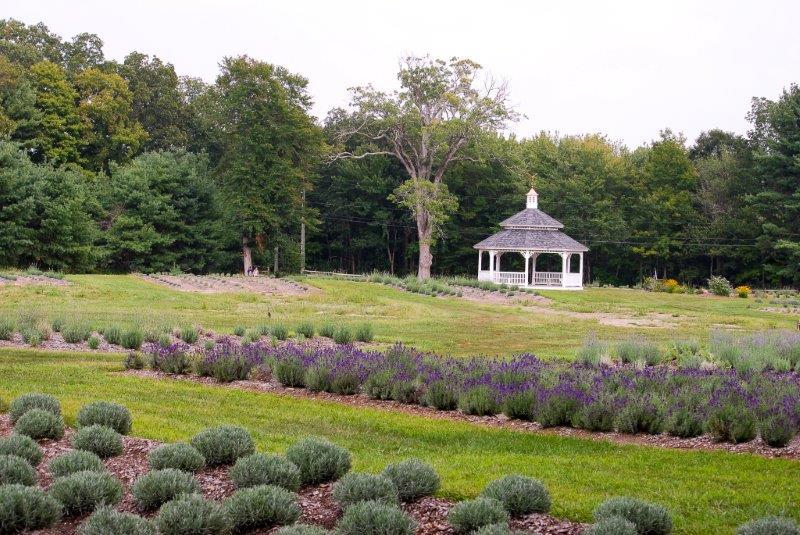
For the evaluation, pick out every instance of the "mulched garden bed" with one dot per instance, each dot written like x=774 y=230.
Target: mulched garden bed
x=316 y=501
x=705 y=442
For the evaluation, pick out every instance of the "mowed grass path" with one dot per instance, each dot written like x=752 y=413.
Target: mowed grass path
x=708 y=492
x=447 y=325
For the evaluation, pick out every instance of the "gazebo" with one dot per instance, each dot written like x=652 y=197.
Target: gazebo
x=532 y=233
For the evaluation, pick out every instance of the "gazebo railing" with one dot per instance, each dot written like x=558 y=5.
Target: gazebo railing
x=510 y=277
x=547 y=278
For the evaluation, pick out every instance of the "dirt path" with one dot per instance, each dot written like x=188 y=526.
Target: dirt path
x=29 y=280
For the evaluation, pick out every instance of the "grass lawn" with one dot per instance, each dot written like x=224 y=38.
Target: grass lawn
x=708 y=492
x=447 y=325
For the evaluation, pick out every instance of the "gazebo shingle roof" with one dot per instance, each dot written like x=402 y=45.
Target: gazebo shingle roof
x=527 y=239
x=531 y=217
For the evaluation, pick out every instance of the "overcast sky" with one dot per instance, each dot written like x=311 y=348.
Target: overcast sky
x=625 y=69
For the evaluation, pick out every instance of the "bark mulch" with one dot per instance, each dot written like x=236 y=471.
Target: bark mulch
x=316 y=501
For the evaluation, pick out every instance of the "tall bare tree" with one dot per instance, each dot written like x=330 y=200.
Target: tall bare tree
x=440 y=107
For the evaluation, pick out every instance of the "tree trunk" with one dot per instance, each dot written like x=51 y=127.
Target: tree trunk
x=247 y=255
x=276 y=261
x=425 y=255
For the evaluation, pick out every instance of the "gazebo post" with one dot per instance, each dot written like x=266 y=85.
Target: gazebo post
x=564 y=268
x=526 y=255
x=580 y=267
x=480 y=264
x=491 y=266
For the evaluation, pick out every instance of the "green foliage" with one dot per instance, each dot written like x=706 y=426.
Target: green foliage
x=470 y=515
x=15 y=470
x=379 y=384
x=112 y=415
x=27 y=508
x=731 y=422
x=106 y=521
x=279 y=331
x=93 y=342
x=520 y=495
x=134 y=361
x=720 y=286
x=191 y=515
x=636 y=350
x=239 y=330
x=328 y=330
x=358 y=487
x=132 y=338
x=612 y=525
x=265 y=469
x=413 y=479
x=375 y=518
x=189 y=334
x=343 y=335
x=595 y=416
x=22 y=404
x=318 y=460
x=223 y=445
x=365 y=333
x=771 y=525
x=557 y=410
x=75 y=461
x=39 y=424
x=7 y=327
x=113 y=334
x=157 y=487
x=441 y=396
x=101 y=440
x=301 y=529
x=776 y=431
x=262 y=506
x=346 y=384
x=290 y=372
x=520 y=406
x=83 y=492
x=318 y=378
x=306 y=329
x=21 y=446
x=649 y=518
x=640 y=415
x=479 y=401
x=179 y=455
x=76 y=332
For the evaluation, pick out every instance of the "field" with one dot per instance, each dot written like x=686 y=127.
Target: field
x=707 y=492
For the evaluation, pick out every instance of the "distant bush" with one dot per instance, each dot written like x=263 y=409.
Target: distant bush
x=731 y=422
x=132 y=338
x=189 y=334
x=613 y=525
x=93 y=342
x=239 y=330
x=305 y=328
x=441 y=396
x=224 y=444
x=640 y=415
x=557 y=410
x=157 y=487
x=133 y=361
x=180 y=456
x=356 y=487
x=106 y=521
x=685 y=422
x=113 y=334
x=776 y=431
x=649 y=518
x=365 y=333
x=345 y=383
x=343 y=335
x=317 y=378
x=39 y=424
x=592 y=352
x=520 y=495
x=771 y=525
x=15 y=470
x=83 y=492
x=743 y=291
x=379 y=384
x=75 y=461
x=7 y=327
x=27 y=509
x=265 y=469
x=719 y=286
x=318 y=460
x=279 y=331
x=595 y=416
x=262 y=506
x=192 y=515
x=302 y=529
x=404 y=391
x=290 y=372
x=638 y=350
x=21 y=446
x=413 y=479
x=98 y=439
x=375 y=518
x=479 y=401
x=22 y=404
x=77 y=332
x=327 y=330
x=520 y=406
x=470 y=515
x=112 y=415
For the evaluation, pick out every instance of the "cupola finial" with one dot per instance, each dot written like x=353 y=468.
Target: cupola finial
x=532 y=199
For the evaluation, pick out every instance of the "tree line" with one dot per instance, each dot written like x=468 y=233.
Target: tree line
x=110 y=166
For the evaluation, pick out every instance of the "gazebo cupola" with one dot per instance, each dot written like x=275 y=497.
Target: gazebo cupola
x=532 y=233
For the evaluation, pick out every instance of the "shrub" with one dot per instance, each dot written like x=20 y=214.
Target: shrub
x=98 y=439
x=375 y=518
x=7 y=327
x=180 y=456
x=112 y=415
x=75 y=461
x=132 y=338
x=519 y=495
x=557 y=410
x=239 y=330
x=638 y=350
x=192 y=515
x=262 y=506
x=265 y=469
x=83 y=492
x=365 y=333
x=494 y=529
x=232 y=367
x=520 y=406
x=771 y=525
x=592 y=352
x=74 y=333
x=31 y=336
x=595 y=416
x=343 y=335
x=106 y=521
x=170 y=359
x=15 y=470
x=318 y=460
x=685 y=422
x=360 y=487
x=719 y=286
x=743 y=291
x=345 y=383
x=327 y=330
x=251 y=336
x=39 y=423
x=279 y=331
x=731 y=422
x=318 y=378
x=301 y=529
x=223 y=444
x=613 y=525
x=306 y=328
x=22 y=404
x=93 y=342
x=27 y=508
x=479 y=401
x=21 y=446
x=649 y=518
x=379 y=385
x=158 y=487
x=290 y=372
x=640 y=415
x=413 y=479
x=404 y=391
x=441 y=396
x=776 y=431
x=469 y=515
x=133 y=361
x=113 y=335
x=189 y=334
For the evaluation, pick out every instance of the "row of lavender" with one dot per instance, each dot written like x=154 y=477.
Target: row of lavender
x=729 y=404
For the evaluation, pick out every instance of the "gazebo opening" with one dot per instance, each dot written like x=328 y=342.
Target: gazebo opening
x=532 y=252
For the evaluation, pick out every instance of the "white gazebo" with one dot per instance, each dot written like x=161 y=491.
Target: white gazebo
x=532 y=233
